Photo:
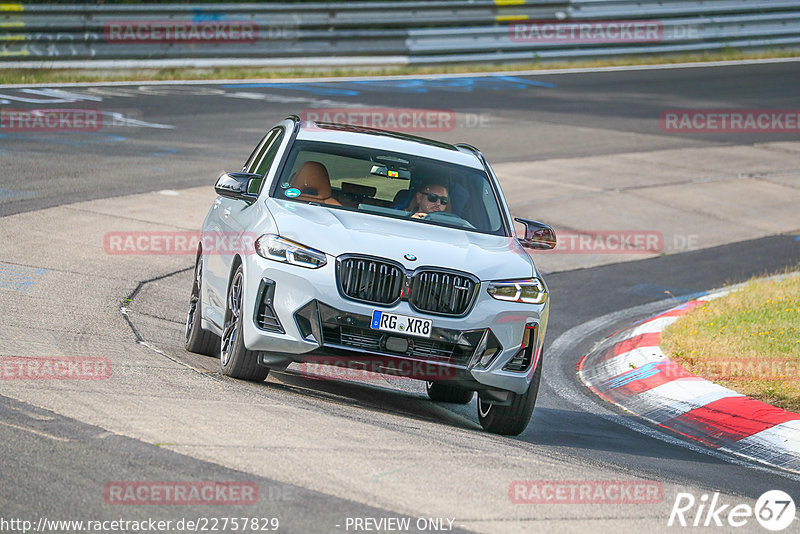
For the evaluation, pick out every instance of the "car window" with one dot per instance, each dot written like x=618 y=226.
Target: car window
x=490 y=201
x=343 y=169
x=386 y=183
x=263 y=160
x=255 y=156
x=268 y=157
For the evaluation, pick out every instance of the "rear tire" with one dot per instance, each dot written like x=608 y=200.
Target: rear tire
x=513 y=419
x=195 y=338
x=443 y=393
x=235 y=360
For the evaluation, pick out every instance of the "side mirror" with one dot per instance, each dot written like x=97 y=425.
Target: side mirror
x=237 y=185
x=537 y=235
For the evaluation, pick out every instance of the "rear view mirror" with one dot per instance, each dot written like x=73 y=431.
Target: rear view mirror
x=537 y=235
x=379 y=170
x=383 y=170
x=237 y=185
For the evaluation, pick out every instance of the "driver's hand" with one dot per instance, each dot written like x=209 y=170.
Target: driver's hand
x=418 y=215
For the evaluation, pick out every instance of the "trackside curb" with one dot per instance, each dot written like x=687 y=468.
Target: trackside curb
x=629 y=370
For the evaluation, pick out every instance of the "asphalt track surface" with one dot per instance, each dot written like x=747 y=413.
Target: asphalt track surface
x=526 y=119
x=523 y=119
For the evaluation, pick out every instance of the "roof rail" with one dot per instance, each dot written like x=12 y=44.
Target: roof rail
x=476 y=152
x=297 y=121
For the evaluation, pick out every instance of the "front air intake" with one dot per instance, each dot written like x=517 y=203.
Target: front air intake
x=522 y=360
x=266 y=318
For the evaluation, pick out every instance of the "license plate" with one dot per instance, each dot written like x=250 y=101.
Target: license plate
x=401 y=324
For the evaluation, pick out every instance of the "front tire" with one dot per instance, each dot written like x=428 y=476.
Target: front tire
x=195 y=338
x=235 y=360
x=513 y=419
x=443 y=393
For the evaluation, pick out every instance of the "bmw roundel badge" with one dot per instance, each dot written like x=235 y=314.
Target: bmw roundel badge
x=410 y=257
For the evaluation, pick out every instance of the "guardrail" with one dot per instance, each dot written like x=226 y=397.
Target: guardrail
x=418 y=32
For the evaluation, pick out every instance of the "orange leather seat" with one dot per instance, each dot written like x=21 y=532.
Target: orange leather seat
x=314 y=184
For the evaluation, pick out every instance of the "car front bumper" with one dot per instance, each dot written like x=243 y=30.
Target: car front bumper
x=318 y=324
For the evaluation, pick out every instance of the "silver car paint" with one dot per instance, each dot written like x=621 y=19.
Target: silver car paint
x=336 y=231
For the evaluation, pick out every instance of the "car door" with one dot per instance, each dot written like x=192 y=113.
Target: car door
x=229 y=219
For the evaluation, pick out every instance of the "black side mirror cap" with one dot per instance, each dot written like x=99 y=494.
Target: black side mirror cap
x=537 y=235
x=237 y=185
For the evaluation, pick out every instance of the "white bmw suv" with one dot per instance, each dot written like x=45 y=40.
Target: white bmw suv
x=380 y=250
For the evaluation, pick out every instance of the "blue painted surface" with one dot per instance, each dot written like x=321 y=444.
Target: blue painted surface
x=205 y=16
x=645 y=371
x=15 y=193
x=19 y=278
x=405 y=85
x=491 y=83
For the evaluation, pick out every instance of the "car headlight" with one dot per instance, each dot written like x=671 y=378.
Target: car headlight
x=276 y=248
x=531 y=291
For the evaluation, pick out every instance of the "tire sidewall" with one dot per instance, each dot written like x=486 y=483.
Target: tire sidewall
x=237 y=343
x=190 y=337
x=491 y=415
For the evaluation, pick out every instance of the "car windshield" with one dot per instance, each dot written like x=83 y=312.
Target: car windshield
x=390 y=184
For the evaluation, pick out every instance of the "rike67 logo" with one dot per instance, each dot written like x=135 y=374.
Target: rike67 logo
x=774 y=510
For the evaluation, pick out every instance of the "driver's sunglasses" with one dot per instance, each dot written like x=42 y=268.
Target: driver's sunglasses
x=432 y=198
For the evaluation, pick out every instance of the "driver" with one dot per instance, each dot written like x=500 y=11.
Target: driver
x=430 y=196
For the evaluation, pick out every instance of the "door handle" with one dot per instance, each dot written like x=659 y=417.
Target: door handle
x=226 y=213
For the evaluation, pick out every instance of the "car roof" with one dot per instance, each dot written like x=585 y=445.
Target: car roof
x=348 y=134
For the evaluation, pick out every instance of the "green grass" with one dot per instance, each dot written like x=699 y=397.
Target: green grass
x=53 y=76
x=748 y=341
